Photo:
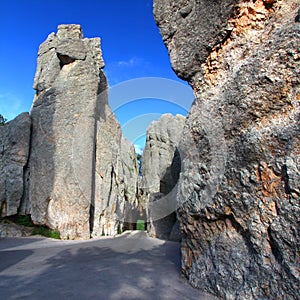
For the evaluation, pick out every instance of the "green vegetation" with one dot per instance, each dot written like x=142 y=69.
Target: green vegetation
x=120 y=231
x=139 y=158
x=140 y=225
x=45 y=231
x=2 y=120
x=23 y=220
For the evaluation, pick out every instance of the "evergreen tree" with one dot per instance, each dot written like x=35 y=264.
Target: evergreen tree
x=2 y=120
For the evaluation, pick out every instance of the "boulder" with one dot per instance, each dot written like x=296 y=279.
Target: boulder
x=14 y=152
x=238 y=192
x=13 y=231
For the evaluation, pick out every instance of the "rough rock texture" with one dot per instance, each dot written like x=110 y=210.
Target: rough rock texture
x=74 y=137
x=161 y=168
x=14 y=151
x=190 y=30
x=116 y=177
x=13 y=230
x=239 y=187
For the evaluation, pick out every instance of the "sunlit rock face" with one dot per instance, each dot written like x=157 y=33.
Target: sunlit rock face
x=238 y=193
x=76 y=155
x=161 y=168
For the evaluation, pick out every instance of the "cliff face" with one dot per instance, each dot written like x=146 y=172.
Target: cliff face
x=162 y=139
x=14 y=151
x=116 y=177
x=191 y=29
x=239 y=188
x=76 y=140
x=161 y=168
x=64 y=110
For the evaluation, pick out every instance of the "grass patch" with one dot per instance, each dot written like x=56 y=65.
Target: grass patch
x=45 y=231
x=19 y=220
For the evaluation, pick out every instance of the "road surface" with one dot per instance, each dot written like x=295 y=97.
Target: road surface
x=130 y=266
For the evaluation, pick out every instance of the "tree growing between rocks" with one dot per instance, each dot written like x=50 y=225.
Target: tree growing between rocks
x=139 y=159
x=2 y=120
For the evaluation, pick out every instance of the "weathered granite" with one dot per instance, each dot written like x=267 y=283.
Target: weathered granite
x=14 y=152
x=82 y=170
x=13 y=230
x=161 y=168
x=116 y=177
x=63 y=112
x=238 y=193
x=190 y=29
x=161 y=163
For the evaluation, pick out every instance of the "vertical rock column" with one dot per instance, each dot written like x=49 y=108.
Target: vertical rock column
x=116 y=178
x=161 y=168
x=68 y=80
x=14 y=151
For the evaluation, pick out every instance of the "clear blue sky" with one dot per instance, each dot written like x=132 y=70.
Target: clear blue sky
x=131 y=43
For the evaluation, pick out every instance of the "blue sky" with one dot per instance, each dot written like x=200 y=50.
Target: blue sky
x=131 y=43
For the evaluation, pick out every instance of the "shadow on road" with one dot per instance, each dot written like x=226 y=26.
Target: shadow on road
x=128 y=267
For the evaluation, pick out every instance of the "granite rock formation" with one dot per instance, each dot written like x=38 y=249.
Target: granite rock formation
x=74 y=140
x=13 y=230
x=14 y=152
x=116 y=177
x=239 y=190
x=161 y=168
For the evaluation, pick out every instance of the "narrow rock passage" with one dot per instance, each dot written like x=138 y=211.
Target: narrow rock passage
x=130 y=266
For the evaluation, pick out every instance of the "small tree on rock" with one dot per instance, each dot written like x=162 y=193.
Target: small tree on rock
x=139 y=160
x=2 y=120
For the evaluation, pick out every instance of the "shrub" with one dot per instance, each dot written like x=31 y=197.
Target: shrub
x=24 y=220
x=46 y=232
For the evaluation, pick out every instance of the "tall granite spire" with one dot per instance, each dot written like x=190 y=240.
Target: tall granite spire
x=68 y=114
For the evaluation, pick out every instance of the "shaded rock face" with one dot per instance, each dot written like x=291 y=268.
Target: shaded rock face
x=116 y=177
x=14 y=152
x=238 y=193
x=74 y=139
x=190 y=29
x=161 y=168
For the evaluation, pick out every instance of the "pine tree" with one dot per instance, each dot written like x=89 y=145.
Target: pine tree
x=2 y=120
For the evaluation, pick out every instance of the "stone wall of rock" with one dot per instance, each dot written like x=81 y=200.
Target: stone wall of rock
x=239 y=188
x=116 y=177
x=76 y=162
x=14 y=152
x=161 y=168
